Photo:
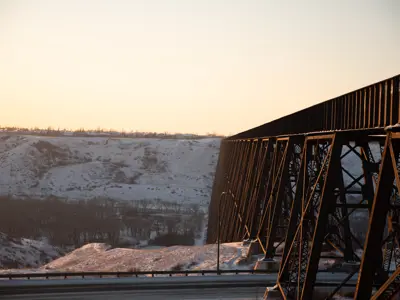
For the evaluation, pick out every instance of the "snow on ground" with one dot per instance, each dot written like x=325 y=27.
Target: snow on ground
x=118 y=168
x=101 y=257
x=25 y=253
x=98 y=257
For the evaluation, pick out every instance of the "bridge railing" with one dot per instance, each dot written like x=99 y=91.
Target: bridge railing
x=67 y=275
x=373 y=106
x=74 y=275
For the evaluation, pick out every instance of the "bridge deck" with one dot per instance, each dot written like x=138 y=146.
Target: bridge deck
x=373 y=106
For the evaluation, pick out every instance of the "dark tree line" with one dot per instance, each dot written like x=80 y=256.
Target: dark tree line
x=75 y=223
x=99 y=132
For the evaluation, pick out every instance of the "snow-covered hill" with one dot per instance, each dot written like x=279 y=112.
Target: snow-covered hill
x=23 y=255
x=26 y=253
x=121 y=169
x=101 y=257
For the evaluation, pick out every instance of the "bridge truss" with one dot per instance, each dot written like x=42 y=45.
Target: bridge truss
x=312 y=182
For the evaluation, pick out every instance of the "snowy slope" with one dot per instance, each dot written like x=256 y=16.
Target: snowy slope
x=101 y=257
x=25 y=253
x=121 y=169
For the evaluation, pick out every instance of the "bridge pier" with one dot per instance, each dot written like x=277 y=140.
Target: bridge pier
x=255 y=248
x=272 y=293
x=324 y=207
x=381 y=252
x=247 y=242
x=267 y=264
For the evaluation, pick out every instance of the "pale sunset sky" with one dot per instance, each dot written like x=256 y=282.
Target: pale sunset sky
x=195 y=66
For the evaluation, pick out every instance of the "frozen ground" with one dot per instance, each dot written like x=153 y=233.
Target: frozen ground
x=117 y=168
x=31 y=256
x=25 y=253
x=101 y=257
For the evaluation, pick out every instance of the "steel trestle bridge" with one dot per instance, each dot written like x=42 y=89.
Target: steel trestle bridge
x=325 y=178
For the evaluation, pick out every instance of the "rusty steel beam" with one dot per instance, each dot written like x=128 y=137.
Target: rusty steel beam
x=288 y=183
x=382 y=248
x=262 y=171
x=276 y=212
x=294 y=278
x=321 y=214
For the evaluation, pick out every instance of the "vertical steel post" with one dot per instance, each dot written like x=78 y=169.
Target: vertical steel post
x=218 y=228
